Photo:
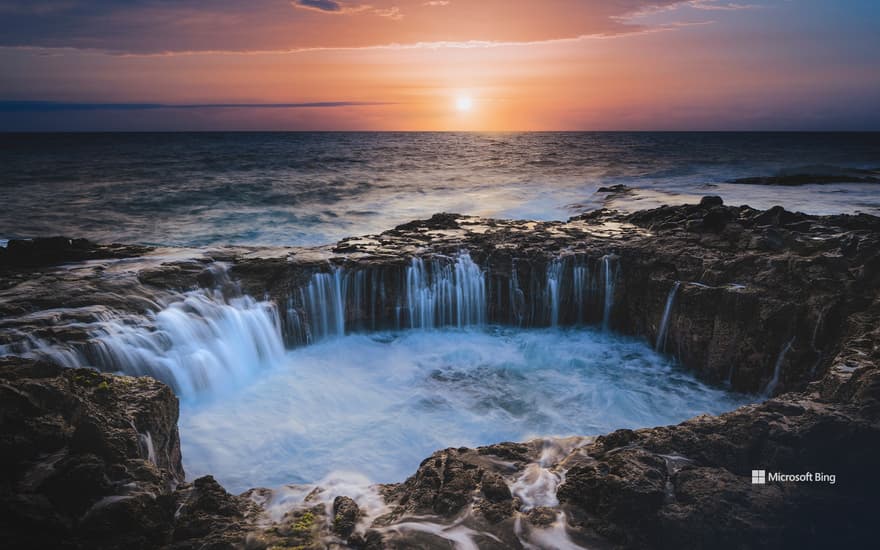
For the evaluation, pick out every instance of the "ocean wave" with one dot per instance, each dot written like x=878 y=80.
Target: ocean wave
x=316 y=188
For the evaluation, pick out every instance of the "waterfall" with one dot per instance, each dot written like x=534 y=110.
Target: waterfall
x=554 y=282
x=516 y=298
x=146 y=440
x=777 y=370
x=664 y=322
x=443 y=291
x=421 y=297
x=327 y=302
x=442 y=294
x=433 y=293
x=32 y=346
x=580 y=282
x=324 y=298
x=296 y=330
x=566 y=293
x=205 y=339
x=201 y=341
x=609 y=278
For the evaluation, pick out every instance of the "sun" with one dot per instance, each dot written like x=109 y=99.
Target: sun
x=463 y=103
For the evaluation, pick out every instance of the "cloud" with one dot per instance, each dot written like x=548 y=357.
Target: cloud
x=56 y=106
x=725 y=6
x=36 y=8
x=337 y=8
x=151 y=27
x=320 y=5
x=391 y=13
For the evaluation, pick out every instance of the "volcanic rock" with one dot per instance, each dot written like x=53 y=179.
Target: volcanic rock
x=780 y=304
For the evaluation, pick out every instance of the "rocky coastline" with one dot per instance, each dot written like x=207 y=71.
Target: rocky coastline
x=772 y=302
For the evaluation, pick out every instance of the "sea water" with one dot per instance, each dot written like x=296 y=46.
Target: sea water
x=307 y=188
x=377 y=404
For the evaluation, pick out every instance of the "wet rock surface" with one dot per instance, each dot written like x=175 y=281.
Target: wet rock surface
x=848 y=176
x=93 y=461
x=48 y=251
x=689 y=485
x=345 y=516
x=771 y=302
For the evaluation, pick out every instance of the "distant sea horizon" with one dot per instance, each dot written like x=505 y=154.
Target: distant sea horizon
x=301 y=187
x=239 y=131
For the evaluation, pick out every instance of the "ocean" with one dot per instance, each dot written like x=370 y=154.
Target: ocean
x=311 y=188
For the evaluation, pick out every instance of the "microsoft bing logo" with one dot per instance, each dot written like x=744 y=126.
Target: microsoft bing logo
x=759 y=477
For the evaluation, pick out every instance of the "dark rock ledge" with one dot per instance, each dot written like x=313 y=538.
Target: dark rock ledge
x=92 y=460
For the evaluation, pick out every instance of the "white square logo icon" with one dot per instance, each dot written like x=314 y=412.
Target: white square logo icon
x=759 y=477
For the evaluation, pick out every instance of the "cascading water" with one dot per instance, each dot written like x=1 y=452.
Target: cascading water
x=435 y=293
x=205 y=340
x=536 y=487
x=660 y=345
x=580 y=278
x=777 y=369
x=448 y=292
x=324 y=298
x=200 y=342
x=516 y=298
x=567 y=286
x=609 y=276
x=445 y=294
x=554 y=281
x=323 y=307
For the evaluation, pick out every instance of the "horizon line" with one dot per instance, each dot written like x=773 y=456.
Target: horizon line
x=621 y=131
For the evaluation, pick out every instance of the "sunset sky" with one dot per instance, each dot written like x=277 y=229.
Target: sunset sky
x=439 y=65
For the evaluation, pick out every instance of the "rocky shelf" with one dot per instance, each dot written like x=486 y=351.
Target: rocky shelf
x=772 y=302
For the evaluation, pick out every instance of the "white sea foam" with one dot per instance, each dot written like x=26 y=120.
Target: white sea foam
x=199 y=342
x=378 y=404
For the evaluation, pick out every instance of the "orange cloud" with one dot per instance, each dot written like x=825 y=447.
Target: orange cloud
x=158 y=26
